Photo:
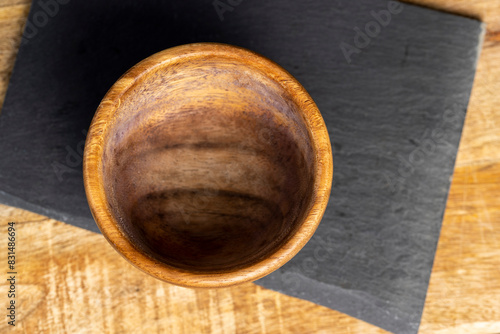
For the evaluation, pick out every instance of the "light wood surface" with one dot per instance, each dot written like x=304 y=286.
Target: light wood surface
x=72 y=281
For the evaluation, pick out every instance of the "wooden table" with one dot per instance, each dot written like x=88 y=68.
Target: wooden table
x=71 y=281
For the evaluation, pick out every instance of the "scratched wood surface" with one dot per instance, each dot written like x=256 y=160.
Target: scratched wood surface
x=71 y=281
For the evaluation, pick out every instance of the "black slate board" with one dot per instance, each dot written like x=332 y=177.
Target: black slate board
x=394 y=99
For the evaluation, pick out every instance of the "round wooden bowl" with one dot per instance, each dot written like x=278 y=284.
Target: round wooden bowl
x=207 y=165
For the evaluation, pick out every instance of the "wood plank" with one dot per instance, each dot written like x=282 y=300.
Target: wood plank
x=72 y=281
x=12 y=19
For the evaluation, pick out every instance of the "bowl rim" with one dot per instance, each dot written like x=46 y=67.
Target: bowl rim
x=93 y=177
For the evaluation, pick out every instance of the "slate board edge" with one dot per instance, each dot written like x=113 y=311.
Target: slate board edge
x=17 y=202
x=375 y=312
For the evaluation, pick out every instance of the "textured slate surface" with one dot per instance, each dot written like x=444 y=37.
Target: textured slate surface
x=393 y=96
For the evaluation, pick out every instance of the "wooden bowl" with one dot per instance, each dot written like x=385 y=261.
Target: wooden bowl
x=207 y=165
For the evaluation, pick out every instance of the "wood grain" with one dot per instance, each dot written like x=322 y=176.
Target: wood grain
x=72 y=281
x=209 y=199
x=69 y=274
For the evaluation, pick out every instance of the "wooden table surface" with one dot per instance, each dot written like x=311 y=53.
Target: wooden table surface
x=71 y=281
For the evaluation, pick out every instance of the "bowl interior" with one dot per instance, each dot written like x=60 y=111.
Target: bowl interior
x=207 y=164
